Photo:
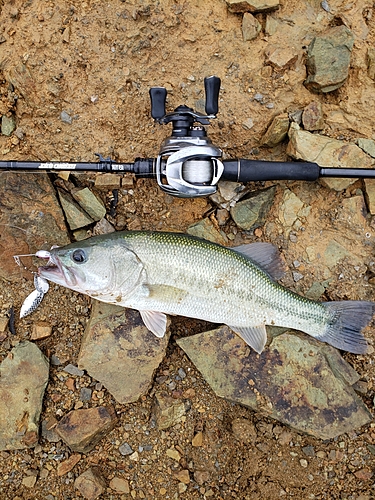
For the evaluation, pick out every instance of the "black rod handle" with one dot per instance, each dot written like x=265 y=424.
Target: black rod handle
x=241 y=170
x=212 y=89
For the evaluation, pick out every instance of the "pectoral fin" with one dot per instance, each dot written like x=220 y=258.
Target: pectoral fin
x=155 y=321
x=254 y=336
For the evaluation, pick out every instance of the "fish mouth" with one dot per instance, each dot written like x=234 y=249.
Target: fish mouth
x=55 y=272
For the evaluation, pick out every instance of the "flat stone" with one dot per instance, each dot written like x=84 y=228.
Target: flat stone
x=120 y=352
x=297 y=380
x=23 y=379
x=65 y=117
x=183 y=476
x=367 y=145
x=312 y=116
x=328 y=59
x=240 y=6
x=107 y=181
x=125 y=449
x=30 y=217
x=173 y=454
x=272 y=25
x=8 y=125
x=90 y=203
x=68 y=464
x=4 y=321
x=76 y=217
x=73 y=370
x=370 y=194
x=333 y=253
x=248 y=124
x=326 y=152
x=251 y=27
x=197 y=440
x=251 y=212
x=82 y=429
x=29 y=481
x=168 y=411
x=281 y=58
x=371 y=63
x=40 y=330
x=206 y=229
x=23 y=81
x=277 y=131
x=103 y=227
x=90 y=484
x=290 y=208
x=120 y=485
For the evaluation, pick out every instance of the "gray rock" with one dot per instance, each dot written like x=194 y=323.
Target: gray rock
x=85 y=394
x=76 y=217
x=251 y=27
x=73 y=370
x=251 y=212
x=8 y=125
x=66 y=118
x=326 y=152
x=23 y=379
x=49 y=433
x=328 y=59
x=299 y=381
x=119 y=351
x=367 y=145
x=125 y=449
x=205 y=229
x=90 y=203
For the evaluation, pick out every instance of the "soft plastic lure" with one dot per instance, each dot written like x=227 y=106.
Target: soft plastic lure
x=33 y=300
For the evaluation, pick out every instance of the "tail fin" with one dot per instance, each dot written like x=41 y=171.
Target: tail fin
x=346 y=320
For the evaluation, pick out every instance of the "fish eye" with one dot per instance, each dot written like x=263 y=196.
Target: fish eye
x=79 y=256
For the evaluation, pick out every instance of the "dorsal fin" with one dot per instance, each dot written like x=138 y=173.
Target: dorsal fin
x=266 y=256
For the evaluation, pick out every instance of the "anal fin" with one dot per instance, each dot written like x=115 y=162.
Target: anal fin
x=254 y=336
x=155 y=321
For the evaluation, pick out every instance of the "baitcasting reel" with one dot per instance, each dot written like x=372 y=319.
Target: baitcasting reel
x=188 y=163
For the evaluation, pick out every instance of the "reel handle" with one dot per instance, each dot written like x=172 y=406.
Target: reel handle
x=212 y=89
x=158 y=96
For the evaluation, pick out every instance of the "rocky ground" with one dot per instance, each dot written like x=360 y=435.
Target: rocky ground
x=92 y=405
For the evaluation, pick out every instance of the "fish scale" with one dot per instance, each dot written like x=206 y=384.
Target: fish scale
x=162 y=273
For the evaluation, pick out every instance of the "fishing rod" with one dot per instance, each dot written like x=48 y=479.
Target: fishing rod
x=188 y=164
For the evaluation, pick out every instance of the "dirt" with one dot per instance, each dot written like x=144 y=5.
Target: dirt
x=96 y=61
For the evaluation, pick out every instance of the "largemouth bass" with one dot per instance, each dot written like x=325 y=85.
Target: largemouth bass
x=162 y=273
